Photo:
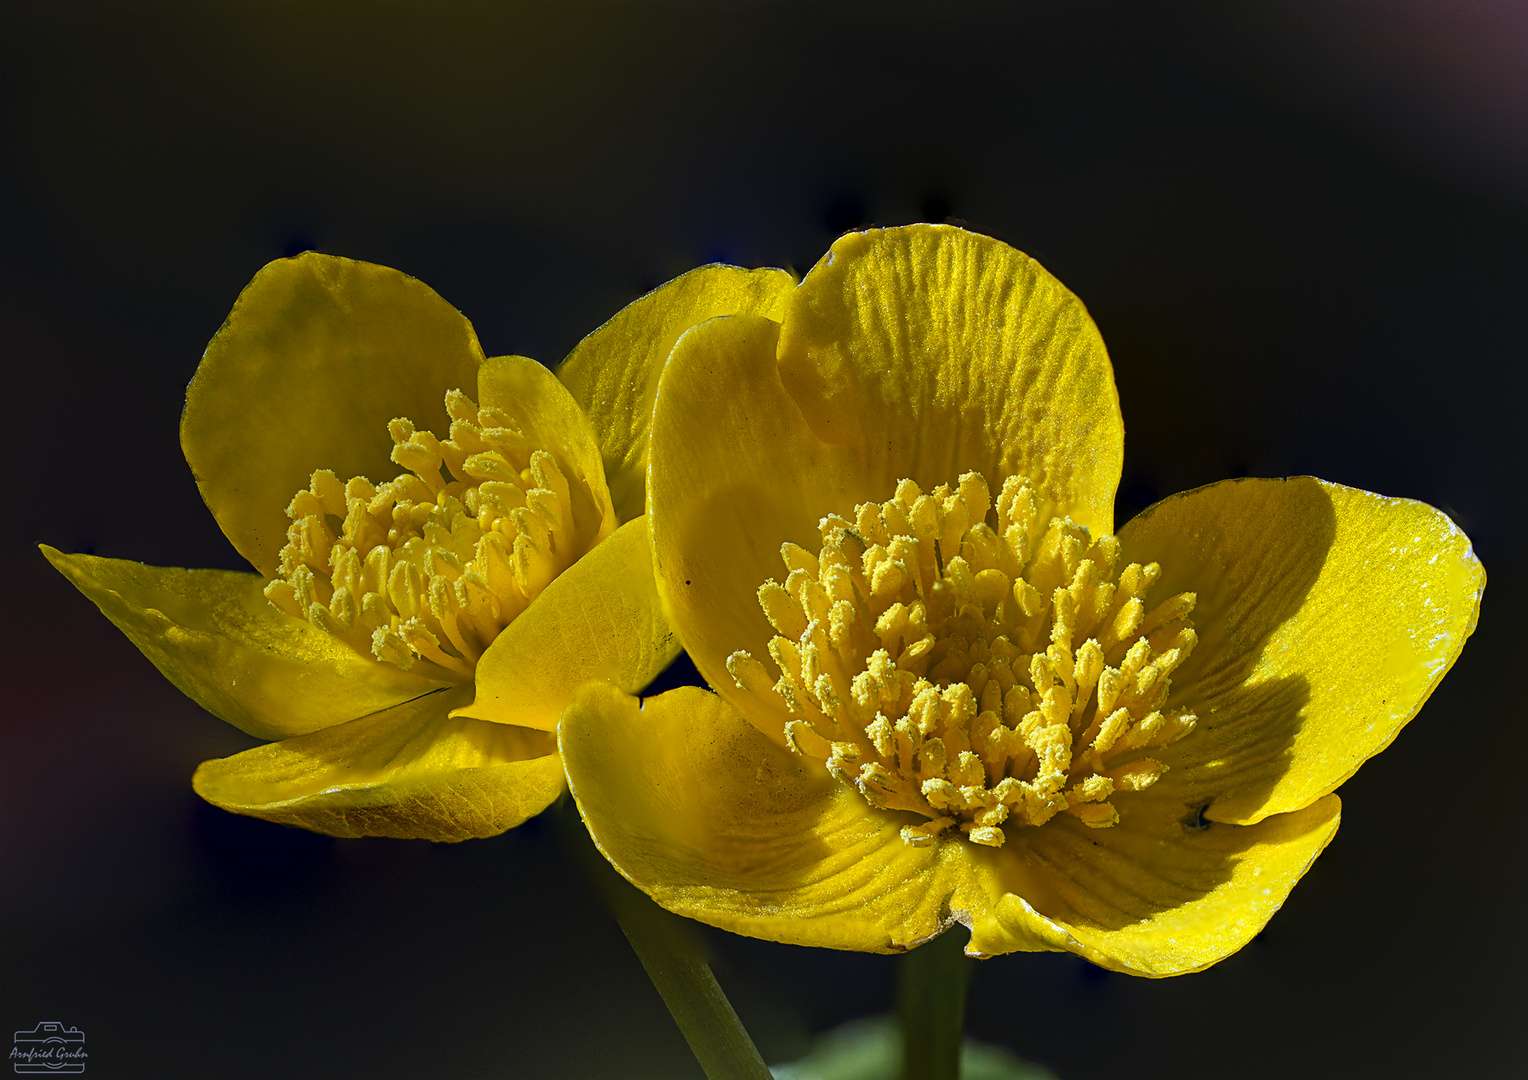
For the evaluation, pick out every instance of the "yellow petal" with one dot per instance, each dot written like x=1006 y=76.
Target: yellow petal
x=1013 y=925
x=216 y=637
x=317 y=356
x=1326 y=616
x=543 y=410
x=735 y=473
x=717 y=823
x=935 y=351
x=410 y=771
x=599 y=619
x=1155 y=895
x=613 y=372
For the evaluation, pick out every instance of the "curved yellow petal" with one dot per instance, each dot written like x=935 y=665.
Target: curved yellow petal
x=613 y=373
x=1013 y=925
x=318 y=354
x=542 y=409
x=599 y=619
x=717 y=823
x=410 y=771
x=935 y=351
x=735 y=472
x=216 y=637
x=1326 y=616
x=1158 y=896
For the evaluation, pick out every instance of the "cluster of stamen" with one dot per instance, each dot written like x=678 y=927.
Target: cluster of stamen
x=430 y=565
x=979 y=677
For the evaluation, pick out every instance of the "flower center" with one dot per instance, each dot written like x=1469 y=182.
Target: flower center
x=426 y=567
x=979 y=677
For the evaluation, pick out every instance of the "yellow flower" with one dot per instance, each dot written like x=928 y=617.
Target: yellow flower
x=411 y=641
x=883 y=527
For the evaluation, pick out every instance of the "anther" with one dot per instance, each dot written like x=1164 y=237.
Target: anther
x=962 y=660
x=431 y=565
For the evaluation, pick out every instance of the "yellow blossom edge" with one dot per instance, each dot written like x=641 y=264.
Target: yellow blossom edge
x=599 y=619
x=216 y=637
x=1326 y=616
x=734 y=471
x=613 y=372
x=318 y=354
x=971 y=344
x=1157 y=894
x=715 y=822
x=411 y=771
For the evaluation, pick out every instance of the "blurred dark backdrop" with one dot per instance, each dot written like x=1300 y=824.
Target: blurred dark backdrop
x=1301 y=228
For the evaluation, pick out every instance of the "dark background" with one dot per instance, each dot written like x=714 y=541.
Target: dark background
x=1301 y=229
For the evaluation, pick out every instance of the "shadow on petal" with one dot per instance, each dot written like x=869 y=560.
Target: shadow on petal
x=1252 y=551
x=1326 y=617
x=1245 y=753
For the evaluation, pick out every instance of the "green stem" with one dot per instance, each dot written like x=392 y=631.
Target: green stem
x=674 y=957
x=931 y=997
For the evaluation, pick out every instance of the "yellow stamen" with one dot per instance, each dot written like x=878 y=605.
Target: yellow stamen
x=431 y=565
x=981 y=675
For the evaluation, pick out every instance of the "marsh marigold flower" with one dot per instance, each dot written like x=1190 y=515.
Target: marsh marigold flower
x=948 y=690
x=447 y=546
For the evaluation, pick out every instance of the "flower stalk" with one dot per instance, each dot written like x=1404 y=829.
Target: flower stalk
x=931 y=1001
x=674 y=959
